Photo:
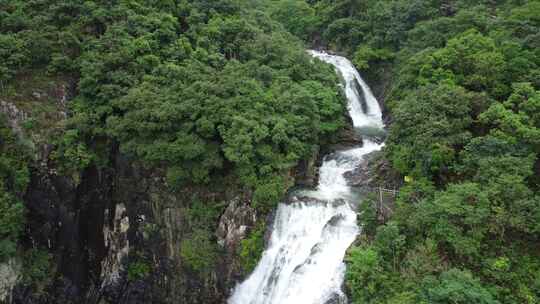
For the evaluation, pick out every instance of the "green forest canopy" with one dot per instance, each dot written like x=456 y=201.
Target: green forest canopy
x=207 y=89
x=201 y=89
x=464 y=104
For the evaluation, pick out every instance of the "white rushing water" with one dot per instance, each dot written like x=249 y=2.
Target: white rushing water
x=372 y=117
x=303 y=263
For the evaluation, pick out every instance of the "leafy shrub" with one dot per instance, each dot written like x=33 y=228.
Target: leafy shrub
x=457 y=287
x=37 y=266
x=198 y=251
x=251 y=248
x=71 y=153
x=138 y=270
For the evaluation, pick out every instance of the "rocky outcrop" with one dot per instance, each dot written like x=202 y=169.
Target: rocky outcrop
x=115 y=217
x=306 y=173
x=66 y=219
x=234 y=222
x=337 y=299
x=10 y=273
x=117 y=244
x=234 y=225
x=15 y=116
x=375 y=171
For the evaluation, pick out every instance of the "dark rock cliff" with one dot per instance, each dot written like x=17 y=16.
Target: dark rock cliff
x=95 y=229
x=99 y=224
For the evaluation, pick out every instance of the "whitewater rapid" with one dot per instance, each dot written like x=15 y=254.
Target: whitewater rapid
x=303 y=263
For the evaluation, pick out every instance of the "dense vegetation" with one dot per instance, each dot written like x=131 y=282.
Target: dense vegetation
x=464 y=101
x=198 y=88
x=221 y=92
x=14 y=179
x=206 y=92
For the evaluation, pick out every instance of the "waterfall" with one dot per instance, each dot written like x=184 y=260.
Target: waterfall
x=373 y=116
x=303 y=263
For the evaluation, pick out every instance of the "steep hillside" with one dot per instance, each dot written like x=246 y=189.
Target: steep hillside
x=145 y=142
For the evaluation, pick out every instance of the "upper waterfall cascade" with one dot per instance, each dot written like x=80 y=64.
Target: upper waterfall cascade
x=303 y=263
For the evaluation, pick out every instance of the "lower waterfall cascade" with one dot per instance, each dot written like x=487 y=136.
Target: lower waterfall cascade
x=303 y=263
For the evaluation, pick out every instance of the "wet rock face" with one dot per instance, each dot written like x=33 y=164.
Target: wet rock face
x=66 y=220
x=334 y=221
x=337 y=299
x=96 y=228
x=362 y=176
x=375 y=171
x=306 y=174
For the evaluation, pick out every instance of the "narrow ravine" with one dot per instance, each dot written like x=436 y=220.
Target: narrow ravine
x=303 y=263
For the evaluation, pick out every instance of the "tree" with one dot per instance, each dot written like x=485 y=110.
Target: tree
x=365 y=276
x=298 y=17
x=517 y=119
x=430 y=125
x=457 y=287
x=456 y=220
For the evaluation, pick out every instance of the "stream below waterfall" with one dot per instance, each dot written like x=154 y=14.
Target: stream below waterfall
x=303 y=263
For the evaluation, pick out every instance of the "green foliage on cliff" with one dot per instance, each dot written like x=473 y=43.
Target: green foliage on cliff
x=199 y=251
x=14 y=178
x=72 y=154
x=138 y=270
x=198 y=88
x=252 y=247
x=37 y=266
